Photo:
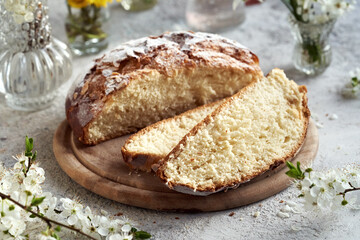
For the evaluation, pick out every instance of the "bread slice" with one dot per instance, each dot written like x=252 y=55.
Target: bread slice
x=154 y=142
x=260 y=127
x=154 y=78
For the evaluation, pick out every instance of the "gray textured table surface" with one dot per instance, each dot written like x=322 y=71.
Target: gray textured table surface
x=267 y=33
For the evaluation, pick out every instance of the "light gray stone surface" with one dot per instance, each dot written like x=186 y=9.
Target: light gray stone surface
x=267 y=33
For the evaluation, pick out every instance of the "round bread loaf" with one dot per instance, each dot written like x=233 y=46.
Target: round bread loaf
x=150 y=79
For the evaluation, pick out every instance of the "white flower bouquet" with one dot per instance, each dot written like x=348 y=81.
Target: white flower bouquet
x=29 y=213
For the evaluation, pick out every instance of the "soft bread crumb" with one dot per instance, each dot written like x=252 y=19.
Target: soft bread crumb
x=157 y=140
x=261 y=125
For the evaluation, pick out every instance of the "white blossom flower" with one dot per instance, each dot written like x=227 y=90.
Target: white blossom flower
x=119 y=236
x=115 y=236
x=104 y=226
x=126 y=228
x=352 y=87
x=72 y=210
x=320 y=11
x=48 y=205
x=31 y=184
x=44 y=237
x=13 y=225
x=90 y=225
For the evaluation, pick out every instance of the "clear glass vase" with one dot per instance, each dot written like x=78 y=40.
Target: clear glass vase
x=86 y=29
x=138 y=5
x=312 y=51
x=214 y=15
x=33 y=65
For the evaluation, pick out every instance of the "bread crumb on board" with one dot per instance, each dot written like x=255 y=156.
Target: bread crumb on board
x=333 y=116
x=319 y=125
x=283 y=215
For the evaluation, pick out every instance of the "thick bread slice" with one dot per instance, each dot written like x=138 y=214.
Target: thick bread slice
x=154 y=78
x=260 y=127
x=154 y=142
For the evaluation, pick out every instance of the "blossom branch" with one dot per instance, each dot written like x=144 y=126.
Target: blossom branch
x=349 y=190
x=326 y=190
x=26 y=178
x=45 y=219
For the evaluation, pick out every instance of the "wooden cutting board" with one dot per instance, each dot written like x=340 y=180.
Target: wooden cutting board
x=101 y=170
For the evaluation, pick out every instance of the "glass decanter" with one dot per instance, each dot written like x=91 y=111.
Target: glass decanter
x=33 y=64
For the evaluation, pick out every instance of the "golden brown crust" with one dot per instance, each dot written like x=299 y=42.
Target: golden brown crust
x=186 y=188
x=144 y=161
x=166 y=54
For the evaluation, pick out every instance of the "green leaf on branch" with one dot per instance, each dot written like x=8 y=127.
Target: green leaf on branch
x=344 y=202
x=11 y=207
x=29 y=145
x=34 y=156
x=298 y=166
x=142 y=235
x=54 y=235
x=37 y=201
x=294 y=172
x=57 y=229
x=354 y=81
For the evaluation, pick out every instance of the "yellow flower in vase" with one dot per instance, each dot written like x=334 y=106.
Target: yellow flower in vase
x=79 y=3
x=85 y=25
x=101 y=3
x=85 y=3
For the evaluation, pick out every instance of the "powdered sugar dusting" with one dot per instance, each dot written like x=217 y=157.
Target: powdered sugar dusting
x=115 y=82
x=209 y=56
x=134 y=49
x=200 y=37
x=140 y=46
x=107 y=72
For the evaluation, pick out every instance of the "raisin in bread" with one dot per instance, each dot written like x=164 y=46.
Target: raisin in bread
x=260 y=127
x=154 y=142
x=150 y=79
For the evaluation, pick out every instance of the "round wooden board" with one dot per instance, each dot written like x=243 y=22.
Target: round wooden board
x=101 y=170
